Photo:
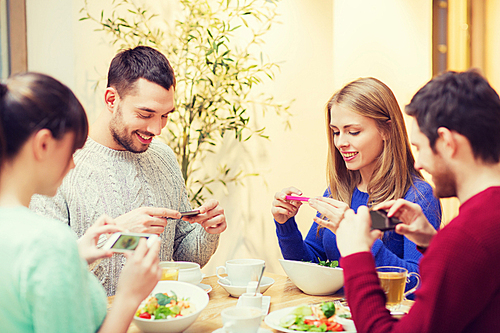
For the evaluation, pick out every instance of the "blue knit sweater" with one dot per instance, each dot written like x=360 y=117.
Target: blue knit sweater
x=392 y=250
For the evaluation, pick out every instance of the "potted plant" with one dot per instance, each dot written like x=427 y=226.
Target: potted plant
x=213 y=46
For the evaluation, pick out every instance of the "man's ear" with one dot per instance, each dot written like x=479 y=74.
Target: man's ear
x=42 y=144
x=111 y=98
x=446 y=142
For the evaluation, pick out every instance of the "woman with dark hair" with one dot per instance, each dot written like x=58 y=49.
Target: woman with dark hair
x=46 y=285
x=369 y=162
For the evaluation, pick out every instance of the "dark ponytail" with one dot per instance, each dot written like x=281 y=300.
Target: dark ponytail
x=3 y=92
x=31 y=102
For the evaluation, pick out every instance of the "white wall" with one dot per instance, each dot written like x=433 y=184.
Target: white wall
x=322 y=45
x=388 y=39
x=50 y=38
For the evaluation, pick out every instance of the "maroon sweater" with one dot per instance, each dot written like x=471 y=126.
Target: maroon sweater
x=460 y=290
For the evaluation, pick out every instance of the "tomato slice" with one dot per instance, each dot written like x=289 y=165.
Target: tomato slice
x=145 y=315
x=334 y=327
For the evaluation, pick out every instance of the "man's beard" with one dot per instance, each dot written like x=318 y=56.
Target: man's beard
x=444 y=181
x=120 y=135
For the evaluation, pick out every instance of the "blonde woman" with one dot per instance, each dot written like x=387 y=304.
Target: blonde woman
x=369 y=162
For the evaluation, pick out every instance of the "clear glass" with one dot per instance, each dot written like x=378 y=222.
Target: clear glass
x=169 y=271
x=393 y=281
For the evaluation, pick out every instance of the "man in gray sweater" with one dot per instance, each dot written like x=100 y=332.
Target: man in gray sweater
x=122 y=172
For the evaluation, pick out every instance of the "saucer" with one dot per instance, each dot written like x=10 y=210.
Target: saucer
x=237 y=291
x=261 y=330
x=206 y=287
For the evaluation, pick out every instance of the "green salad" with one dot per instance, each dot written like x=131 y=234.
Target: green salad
x=164 y=306
x=312 y=318
x=327 y=263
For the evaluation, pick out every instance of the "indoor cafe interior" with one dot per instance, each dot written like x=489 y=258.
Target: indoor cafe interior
x=315 y=46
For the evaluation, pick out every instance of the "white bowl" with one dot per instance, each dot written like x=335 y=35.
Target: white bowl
x=237 y=291
x=312 y=278
x=188 y=271
x=195 y=294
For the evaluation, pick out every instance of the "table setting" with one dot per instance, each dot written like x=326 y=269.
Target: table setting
x=242 y=297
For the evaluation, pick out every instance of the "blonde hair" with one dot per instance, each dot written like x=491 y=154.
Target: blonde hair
x=394 y=171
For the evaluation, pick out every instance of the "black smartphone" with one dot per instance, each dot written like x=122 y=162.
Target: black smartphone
x=191 y=213
x=381 y=222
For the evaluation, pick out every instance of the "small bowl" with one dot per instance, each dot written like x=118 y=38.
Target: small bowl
x=188 y=271
x=312 y=278
x=237 y=291
x=195 y=294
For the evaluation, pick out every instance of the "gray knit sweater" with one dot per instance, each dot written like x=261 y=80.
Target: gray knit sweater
x=107 y=181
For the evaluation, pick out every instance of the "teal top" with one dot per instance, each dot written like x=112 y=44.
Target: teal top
x=45 y=285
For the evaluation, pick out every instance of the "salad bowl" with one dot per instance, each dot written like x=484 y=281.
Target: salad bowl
x=184 y=290
x=312 y=278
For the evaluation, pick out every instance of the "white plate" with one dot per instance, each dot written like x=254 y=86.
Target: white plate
x=266 y=302
x=273 y=320
x=206 y=287
x=237 y=291
x=261 y=330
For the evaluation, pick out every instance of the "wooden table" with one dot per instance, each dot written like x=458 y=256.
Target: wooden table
x=283 y=294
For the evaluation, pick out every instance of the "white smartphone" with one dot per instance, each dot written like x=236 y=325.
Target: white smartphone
x=126 y=241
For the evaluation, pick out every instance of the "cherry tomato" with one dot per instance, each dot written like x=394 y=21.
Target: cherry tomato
x=145 y=315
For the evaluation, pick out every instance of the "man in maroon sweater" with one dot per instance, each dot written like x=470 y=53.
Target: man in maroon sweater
x=457 y=132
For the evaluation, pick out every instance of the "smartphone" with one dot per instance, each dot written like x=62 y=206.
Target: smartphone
x=190 y=213
x=126 y=241
x=291 y=197
x=381 y=222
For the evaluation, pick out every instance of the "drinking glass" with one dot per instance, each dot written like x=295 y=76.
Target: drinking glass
x=393 y=281
x=169 y=271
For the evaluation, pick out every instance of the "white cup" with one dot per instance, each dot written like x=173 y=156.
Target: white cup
x=241 y=319
x=241 y=271
x=251 y=299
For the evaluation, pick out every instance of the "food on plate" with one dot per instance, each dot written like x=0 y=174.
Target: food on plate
x=164 y=306
x=313 y=318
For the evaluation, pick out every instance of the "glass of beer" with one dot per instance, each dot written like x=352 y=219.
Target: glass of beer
x=169 y=271
x=393 y=281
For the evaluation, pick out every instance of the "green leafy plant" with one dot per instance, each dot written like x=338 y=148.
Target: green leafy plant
x=213 y=46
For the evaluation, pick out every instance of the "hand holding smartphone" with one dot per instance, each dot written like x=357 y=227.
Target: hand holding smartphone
x=382 y=222
x=190 y=213
x=125 y=242
x=296 y=198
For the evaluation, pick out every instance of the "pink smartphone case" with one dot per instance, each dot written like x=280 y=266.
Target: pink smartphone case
x=291 y=197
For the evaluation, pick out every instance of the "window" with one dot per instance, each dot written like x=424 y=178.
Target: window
x=13 y=49
x=458 y=38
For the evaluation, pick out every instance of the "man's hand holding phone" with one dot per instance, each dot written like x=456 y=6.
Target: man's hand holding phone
x=149 y=220
x=415 y=225
x=190 y=213
x=209 y=215
x=382 y=222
